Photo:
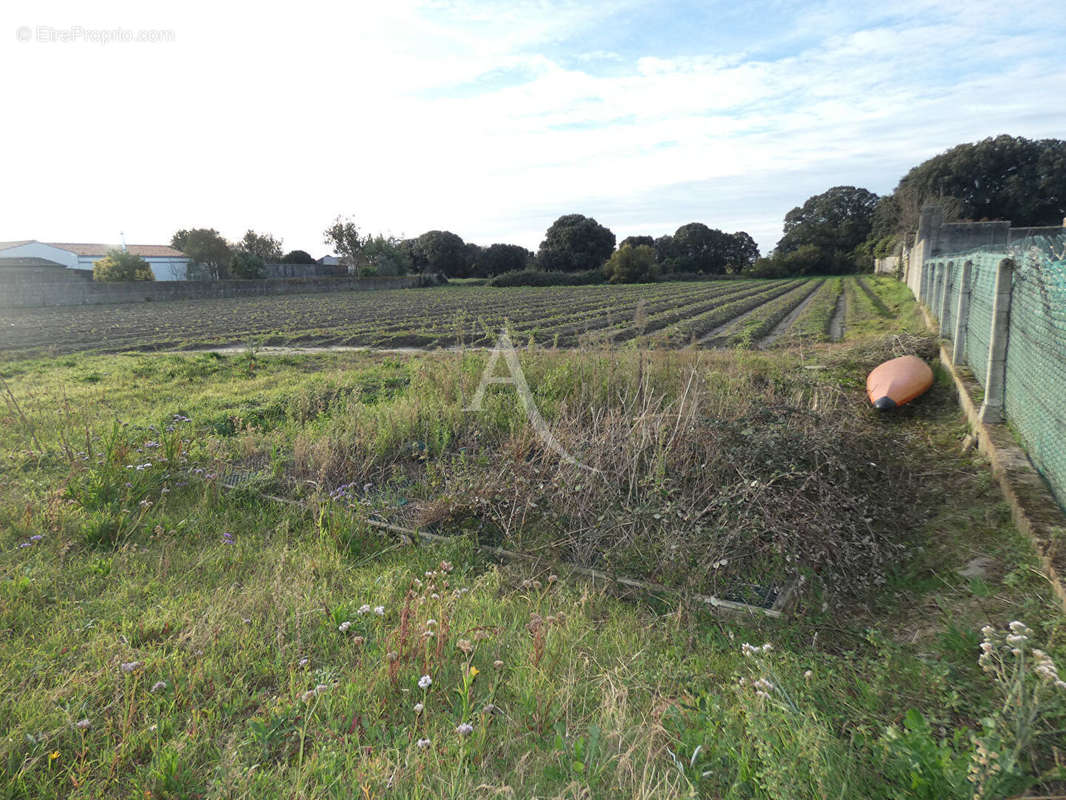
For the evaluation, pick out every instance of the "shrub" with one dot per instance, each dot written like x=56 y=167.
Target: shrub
x=247 y=265
x=631 y=265
x=119 y=265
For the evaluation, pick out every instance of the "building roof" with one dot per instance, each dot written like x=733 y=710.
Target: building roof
x=26 y=261
x=90 y=249
x=144 y=250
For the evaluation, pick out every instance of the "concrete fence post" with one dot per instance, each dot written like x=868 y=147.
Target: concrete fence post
x=944 y=311
x=962 y=316
x=992 y=408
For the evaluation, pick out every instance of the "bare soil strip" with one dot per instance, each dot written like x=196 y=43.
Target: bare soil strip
x=786 y=323
x=836 y=324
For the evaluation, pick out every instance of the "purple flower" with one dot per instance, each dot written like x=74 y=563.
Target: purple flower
x=36 y=537
x=227 y=538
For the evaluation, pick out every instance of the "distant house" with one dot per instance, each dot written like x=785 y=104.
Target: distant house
x=329 y=261
x=167 y=263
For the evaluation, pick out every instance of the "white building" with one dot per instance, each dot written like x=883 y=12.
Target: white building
x=167 y=263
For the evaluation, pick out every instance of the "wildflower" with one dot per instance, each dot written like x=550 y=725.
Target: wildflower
x=435 y=596
x=427 y=635
x=430 y=574
x=358 y=641
x=307 y=696
x=553 y=578
x=321 y=688
x=53 y=755
x=227 y=538
x=464 y=645
x=303 y=662
x=808 y=675
x=423 y=744
x=25 y=544
x=417 y=583
x=36 y=538
x=159 y=686
x=465 y=729
x=419 y=707
x=344 y=626
x=474 y=672
x=430 y=623
x=363 y=609
x=1018 y=627
x=498 y=664
x=766 y=648
x=748 y=649
x=489 y=708
x=1016 y=639
x=130 y=666
x=379 y=610
x=391 y=656
x=446 y=566
x=425 y=682
x=82 y=724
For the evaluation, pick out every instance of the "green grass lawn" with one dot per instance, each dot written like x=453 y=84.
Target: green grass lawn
x=163 y=636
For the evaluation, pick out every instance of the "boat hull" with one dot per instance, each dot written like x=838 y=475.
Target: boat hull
x=896 y=382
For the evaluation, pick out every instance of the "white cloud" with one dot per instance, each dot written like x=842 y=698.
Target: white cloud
x=280 y=118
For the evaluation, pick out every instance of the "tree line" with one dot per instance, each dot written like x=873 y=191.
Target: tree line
x=839 y=231
x=1000 y=178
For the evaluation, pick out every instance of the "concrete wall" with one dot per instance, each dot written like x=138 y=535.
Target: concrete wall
x=887 y=265
x=16 y=292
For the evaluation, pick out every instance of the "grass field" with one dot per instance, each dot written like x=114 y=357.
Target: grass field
x=163 y=635
x=654 y=315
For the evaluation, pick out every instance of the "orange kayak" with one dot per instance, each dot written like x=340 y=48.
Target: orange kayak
x=898 y=381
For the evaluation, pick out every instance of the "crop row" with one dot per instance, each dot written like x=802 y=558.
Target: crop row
x=758 y=323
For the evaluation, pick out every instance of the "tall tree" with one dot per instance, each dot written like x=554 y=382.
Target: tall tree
x=697 y=248
x=441 y=251
x=827 y=229
x=344 y=237
x=574 y=243
x=742 y=252
x=636 y=241
x=297 y=257
x=1002 y=177
x=209 y=252
x=261 y=244
x=497 y=259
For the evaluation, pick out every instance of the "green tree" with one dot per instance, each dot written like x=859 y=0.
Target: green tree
x=631 y=265
x=741 y=252
x=344 y=237
x=209 y=252
x=637 y=241
x=441 y=251
x=384 y=255
x=247 y=266
x=297 y=257
x=119 y=265
x=697 y=248
x=575 y=243
x=833 y=223
x=496 y=259
x=261 y=244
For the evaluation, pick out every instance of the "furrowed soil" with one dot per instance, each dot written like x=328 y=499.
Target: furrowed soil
x=198 y=598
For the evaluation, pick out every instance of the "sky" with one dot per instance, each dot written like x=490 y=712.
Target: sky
x=492 y=119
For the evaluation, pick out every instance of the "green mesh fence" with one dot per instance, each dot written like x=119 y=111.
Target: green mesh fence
x=979 y=319
x=1034 y=381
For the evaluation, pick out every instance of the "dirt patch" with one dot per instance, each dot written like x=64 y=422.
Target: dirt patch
x=836 y=324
